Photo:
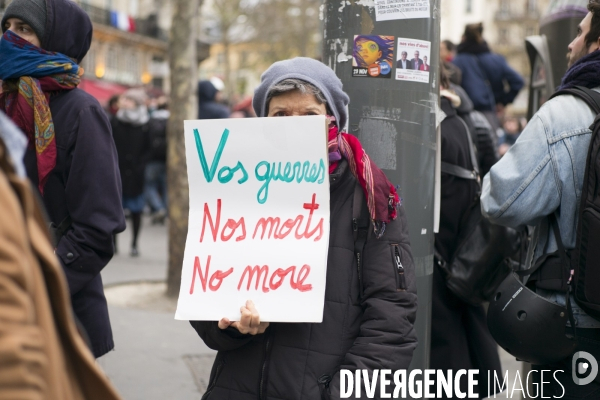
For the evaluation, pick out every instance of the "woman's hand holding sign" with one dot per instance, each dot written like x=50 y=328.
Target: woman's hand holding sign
x=249 y=323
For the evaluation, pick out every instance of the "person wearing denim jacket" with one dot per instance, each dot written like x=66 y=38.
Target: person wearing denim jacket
x=542 y=174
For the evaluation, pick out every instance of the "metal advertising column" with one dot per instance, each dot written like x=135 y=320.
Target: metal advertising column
x=386 y=52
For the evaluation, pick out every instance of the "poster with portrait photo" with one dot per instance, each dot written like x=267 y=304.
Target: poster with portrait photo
x=373 y=56
x=413 y=60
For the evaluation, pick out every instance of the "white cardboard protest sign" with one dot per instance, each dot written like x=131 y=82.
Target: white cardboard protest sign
x=259 y=219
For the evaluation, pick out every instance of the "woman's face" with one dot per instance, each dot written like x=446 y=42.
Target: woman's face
x=369 y=51
x=22 y=29
x=295 y=103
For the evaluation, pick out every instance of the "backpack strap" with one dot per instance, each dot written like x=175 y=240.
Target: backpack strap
x=566 y=265
x=591 y=97
x=360 y=228
x=461 y=172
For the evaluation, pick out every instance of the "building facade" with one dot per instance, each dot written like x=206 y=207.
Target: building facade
x=129 y=46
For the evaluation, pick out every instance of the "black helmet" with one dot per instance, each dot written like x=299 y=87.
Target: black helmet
x=528 y=326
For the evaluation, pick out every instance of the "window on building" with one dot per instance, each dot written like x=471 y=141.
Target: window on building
x=134 y=65
x=503 y=36
x=531 y=6
x=468 y=6
x=89 y=62
x=134 y=7
x=243 y=59
x=112 y=59
x=221 y=58
x=529 y=31
x=242 y=85
x=504 y=6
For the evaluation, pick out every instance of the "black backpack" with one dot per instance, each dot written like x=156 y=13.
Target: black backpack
x=585 y=258
x=486 y=251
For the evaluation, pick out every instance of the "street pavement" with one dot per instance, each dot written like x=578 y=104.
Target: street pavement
x=155 y=356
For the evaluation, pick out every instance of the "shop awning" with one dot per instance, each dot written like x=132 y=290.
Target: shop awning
x=101 y=90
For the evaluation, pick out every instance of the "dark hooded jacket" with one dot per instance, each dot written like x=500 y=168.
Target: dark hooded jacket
x=368 y=314
x=480 y=129
x=484 y=75
x=85 y=184
x=460 y=338
x=208 y=108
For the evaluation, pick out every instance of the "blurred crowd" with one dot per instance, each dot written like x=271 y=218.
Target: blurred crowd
x=465 y=64
x=139 y=120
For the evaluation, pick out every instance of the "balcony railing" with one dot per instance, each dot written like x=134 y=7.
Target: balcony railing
x=147 y=27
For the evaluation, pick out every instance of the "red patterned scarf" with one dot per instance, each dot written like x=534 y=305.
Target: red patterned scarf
x=26 y=102
x=381 y=195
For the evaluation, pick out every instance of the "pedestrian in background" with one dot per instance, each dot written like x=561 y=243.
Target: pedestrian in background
x=113 y=105
x=540 y=182
x=482 y=134
x=71 y=158
x=42 y=353
x=511 y=128
x=460 y=338
x=447 y=54
x=485 y=75
x=156 y=170
x=132 y=138
x=209 y=106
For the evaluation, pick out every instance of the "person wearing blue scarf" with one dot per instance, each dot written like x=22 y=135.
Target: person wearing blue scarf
x=29 y=74
x=71 y=157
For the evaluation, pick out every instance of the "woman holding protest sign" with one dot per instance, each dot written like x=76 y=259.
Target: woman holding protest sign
x=370 y=305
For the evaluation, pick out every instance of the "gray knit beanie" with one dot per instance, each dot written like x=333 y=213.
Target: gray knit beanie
x=308 y=70
x=32 y=12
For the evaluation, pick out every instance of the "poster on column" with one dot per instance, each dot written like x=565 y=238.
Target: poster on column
x=259 y=219
x=386 y=10
x=413 y=60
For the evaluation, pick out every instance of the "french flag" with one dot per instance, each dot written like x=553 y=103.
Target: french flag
x=122 y=21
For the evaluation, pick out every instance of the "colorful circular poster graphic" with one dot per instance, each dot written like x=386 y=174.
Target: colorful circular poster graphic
x=385 y=68
x=373 y=56
x=374 y=70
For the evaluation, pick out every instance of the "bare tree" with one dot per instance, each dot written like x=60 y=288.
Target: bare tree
x=286 y=28
x=227 y=13
x=183 y=66
x=228 y=17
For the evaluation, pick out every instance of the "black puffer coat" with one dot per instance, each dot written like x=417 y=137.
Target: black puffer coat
x=302 y=361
